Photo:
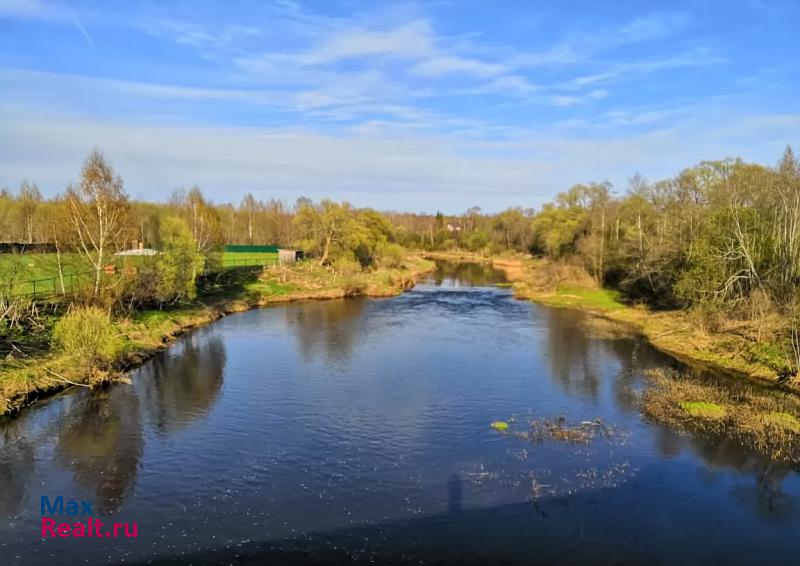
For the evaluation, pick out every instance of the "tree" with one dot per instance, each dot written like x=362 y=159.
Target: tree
x=98 y=207
x=176 y=279
x=248 y=209
x=29 y=199
x=204 y=224
x=323 y=227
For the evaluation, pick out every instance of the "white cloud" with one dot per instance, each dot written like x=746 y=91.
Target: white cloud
x=654 y=26
x=410 y=41
x=372 y=167
x=26 y=9
x=450 y=64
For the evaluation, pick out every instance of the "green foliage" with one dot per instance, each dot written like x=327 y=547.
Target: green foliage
x=476 y=241
x=390 y=255
x=346 y=265
x=176 y=263
x=331 y=231
x=557 y=228
x=87 y=334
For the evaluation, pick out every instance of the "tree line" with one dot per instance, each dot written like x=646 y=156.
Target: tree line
x=720 y=238
x=718 y=234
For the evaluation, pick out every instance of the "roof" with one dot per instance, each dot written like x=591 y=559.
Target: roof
x=137 y=251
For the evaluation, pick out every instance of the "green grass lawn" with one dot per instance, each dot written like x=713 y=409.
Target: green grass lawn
x=570 y=296
x=43 y=268
x=24 y=269
x=248 y=258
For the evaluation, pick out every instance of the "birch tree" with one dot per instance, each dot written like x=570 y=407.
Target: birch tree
x=98 y=209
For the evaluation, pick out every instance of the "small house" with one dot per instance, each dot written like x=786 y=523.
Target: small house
x=288 y=257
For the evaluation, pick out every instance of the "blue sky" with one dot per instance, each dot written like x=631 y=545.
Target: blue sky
x=412 y=106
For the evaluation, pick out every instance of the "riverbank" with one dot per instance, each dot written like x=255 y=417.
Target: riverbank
x=674 y=332
x=144 y=333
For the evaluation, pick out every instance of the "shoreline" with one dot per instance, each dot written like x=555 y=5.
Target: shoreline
x=148 y=332
x=669 y=331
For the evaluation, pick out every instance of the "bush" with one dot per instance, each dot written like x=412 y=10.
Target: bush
x=390 y=255
x=86 y=333
x=346 y=266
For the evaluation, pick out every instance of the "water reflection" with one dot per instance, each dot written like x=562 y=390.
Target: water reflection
x=762 y=492
x=182 y=385
x=100 y=440
x=455 y=494
x=467 y=274
x=328 y=329
x=571 y=364
x=17 y=464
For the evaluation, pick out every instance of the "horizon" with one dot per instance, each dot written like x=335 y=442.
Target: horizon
x=446 y=105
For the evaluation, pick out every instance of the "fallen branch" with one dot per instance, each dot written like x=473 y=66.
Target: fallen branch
x=62 y=379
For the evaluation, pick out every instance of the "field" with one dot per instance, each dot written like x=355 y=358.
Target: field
x=38 y=273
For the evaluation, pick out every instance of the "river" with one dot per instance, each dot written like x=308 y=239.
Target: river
x=361 y=430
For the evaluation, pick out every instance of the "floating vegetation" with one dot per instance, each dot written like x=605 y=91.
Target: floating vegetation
x=764 y=420
x=586 y=441
x=558 y=429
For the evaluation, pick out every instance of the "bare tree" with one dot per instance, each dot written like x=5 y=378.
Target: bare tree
x=248 y=209
x=98 y=207
x=29 y=200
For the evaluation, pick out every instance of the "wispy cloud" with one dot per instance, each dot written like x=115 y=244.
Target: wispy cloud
x=699 y=57
x=451 y=64
x=82 y=29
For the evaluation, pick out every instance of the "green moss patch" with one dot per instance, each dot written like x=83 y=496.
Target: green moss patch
x=703 y=409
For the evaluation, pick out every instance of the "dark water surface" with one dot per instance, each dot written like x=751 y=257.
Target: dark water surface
x=360 y=430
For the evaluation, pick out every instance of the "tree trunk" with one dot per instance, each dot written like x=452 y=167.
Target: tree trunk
x=602 y=244
x=325 y=250
x=58 y=261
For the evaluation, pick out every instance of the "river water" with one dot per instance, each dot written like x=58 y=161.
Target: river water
x=360 y=430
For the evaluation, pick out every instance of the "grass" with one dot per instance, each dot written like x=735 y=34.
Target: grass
x=582 y=297
x=761 y=418
x=43 y=269
x=703 y=409
x=248 y=258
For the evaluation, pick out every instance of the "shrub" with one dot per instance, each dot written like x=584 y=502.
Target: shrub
x=346 y=266
x=86 y=333
x=390 y=255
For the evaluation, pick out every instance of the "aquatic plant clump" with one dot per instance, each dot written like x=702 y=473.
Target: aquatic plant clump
x=559 y=430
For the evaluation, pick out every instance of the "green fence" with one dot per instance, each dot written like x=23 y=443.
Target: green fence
x=243 y=248
x=54 y=286
x=230 y=262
